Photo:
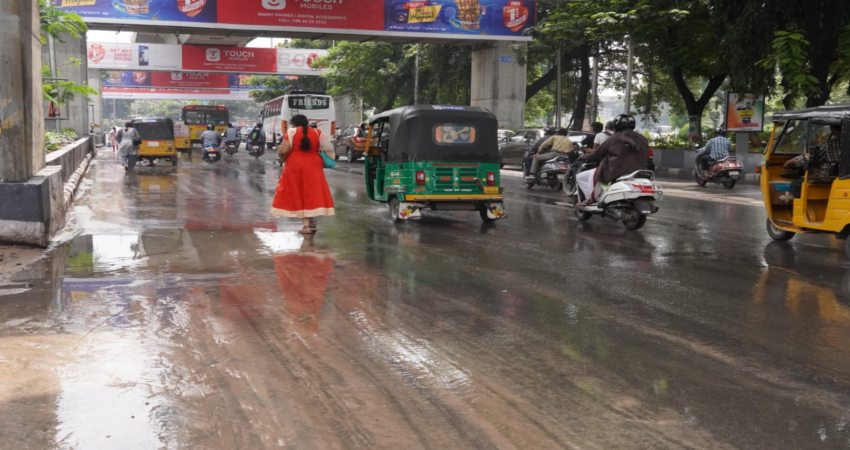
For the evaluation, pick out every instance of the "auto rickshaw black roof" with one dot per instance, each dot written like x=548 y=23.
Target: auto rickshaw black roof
x=412 y=132
x=154 y=128
x=832 y=114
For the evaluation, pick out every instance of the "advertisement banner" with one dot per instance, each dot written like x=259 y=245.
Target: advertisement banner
x=156 y=93
x=171 y=10
x=190 y=80
x=185 y=80
x=744 y=112
x=289 y=61
x=483 y=17
x=134 y=56
x=230 y=59
x=435 y=19
x=359 y=15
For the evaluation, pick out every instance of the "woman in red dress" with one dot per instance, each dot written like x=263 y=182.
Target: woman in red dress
x=302 y=191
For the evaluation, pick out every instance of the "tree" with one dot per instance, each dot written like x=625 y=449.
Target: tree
x=57 y=23
x=377 y=72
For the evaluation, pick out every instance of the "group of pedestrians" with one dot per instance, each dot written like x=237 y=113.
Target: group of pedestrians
x=125 y=141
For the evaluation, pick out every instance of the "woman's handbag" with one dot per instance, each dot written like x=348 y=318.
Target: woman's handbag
x=283 y=150
x=327 y=161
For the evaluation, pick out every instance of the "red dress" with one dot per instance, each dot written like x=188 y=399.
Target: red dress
x=302 y=190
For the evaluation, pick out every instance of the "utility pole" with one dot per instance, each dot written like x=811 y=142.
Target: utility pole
x=416 y=77
x=594 y=99
x=558 y=89
x=629 y=68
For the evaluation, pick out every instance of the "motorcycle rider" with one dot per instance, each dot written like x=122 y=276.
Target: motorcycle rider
x=529 y=156
x=715 y=149
x=210 y=138
x=591 y=138
x=559 y=144
x=231 y=135
x=621 y=154
x=605 y=134
x=257 y=136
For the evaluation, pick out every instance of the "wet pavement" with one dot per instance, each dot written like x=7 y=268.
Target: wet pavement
x=181 y=315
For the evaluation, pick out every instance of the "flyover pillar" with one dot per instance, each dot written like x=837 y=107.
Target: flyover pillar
x=72 y=65
x=498 y=83
x=21 y=109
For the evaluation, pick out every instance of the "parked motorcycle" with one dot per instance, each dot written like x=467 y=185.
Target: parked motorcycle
x=231 y=147
x=212 y=154
x=630 y=199
x=256 y=150
x=726 y=171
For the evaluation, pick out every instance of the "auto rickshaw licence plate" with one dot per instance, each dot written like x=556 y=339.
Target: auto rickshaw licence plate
x=153 y=144
x=491 y=189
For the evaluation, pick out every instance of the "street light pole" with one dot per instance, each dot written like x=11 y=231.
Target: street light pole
x=416 y=78
x=629 y=68
x=558 y=89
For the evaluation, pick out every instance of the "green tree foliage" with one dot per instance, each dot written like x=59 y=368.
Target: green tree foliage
x=58 y=23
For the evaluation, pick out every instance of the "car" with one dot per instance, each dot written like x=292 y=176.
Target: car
x=503 y=134
x=351 y=142
x=513 y=148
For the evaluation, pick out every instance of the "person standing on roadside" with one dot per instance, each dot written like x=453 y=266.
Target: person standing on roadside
x=302 y=191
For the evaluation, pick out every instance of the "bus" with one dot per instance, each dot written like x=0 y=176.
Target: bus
x=276 y=114
x=195 y=119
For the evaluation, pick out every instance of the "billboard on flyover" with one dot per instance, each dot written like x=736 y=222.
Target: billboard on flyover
x=154 y=85
x=288 y=61
x=449 y=19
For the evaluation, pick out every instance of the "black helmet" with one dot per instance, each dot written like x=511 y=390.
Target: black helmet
x=258 y=125
x=624 y=122
x=562 y=132
x=548 y=131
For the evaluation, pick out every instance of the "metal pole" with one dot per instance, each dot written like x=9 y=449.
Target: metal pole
x=416 y=78
x=629 y=68
x=558 y=90
x=594 y=102
x=360 y=119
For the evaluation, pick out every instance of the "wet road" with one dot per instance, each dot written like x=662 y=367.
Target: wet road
x=180 y=315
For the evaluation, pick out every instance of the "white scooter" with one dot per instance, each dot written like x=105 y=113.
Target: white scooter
x=629 y=198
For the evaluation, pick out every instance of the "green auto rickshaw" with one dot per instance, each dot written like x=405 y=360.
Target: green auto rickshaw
x=443 y=158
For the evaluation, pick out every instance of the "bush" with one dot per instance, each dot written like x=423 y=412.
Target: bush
x=54 y=140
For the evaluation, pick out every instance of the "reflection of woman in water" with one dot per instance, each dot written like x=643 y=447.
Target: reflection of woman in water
x=303 y=279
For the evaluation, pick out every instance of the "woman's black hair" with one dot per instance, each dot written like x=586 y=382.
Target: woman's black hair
x=128 y=124
x=300 y=120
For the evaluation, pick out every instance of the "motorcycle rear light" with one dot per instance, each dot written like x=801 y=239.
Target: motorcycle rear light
x=420 y=177
x=358 y=140
x=491 y=179
x=644 y=188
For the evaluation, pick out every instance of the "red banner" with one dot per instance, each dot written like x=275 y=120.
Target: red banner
x=229 y=59
x=190 y=80
x=344 y=14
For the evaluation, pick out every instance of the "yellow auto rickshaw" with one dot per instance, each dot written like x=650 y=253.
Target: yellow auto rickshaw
x=805 y=174
x=157 y=139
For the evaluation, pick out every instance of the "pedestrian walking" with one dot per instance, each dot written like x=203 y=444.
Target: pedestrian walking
x=302 y=191
x=128 y=147
x=113 y=139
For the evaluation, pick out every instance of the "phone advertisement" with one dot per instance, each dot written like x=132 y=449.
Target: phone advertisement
x=482 y=17
x=156 y=10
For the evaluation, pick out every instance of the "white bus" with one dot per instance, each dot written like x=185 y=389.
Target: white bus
x=276 y=114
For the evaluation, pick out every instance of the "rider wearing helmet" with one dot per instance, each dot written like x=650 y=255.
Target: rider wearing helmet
x=529 y=155
x=257 y=136
x=210 y=138
x=621 y=154
x=716 y=148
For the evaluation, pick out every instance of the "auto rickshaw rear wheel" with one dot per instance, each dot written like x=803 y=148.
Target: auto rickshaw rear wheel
x=395 y=208
x=847 y=247
x=777 y=234
x=174 y=160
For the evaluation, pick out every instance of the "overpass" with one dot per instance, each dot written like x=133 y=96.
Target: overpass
x=494 y=28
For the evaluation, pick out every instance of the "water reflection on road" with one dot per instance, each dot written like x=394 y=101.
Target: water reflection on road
x=181 y=315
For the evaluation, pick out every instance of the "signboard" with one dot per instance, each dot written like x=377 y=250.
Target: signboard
x=158 y=93
x=290 y=61
x=744 y=112
x=184 y=80
x=440 y=19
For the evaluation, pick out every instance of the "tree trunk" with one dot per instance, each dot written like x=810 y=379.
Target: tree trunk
x=548 y=77
x=822 y=24
x=580 y=108
x=695 y=106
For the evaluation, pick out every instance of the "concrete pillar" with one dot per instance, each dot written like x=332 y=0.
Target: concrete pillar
x=498 y=83
x=72 y=64
x=96 y=101
x=347 y=111
x=21 y=113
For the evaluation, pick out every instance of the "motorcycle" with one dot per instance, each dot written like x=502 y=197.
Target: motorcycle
x=726 y=171
x=256 y=150
x=553 y=173
x=630 y=199
x=231 y=147
x=570 y=181
x=212 y=154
